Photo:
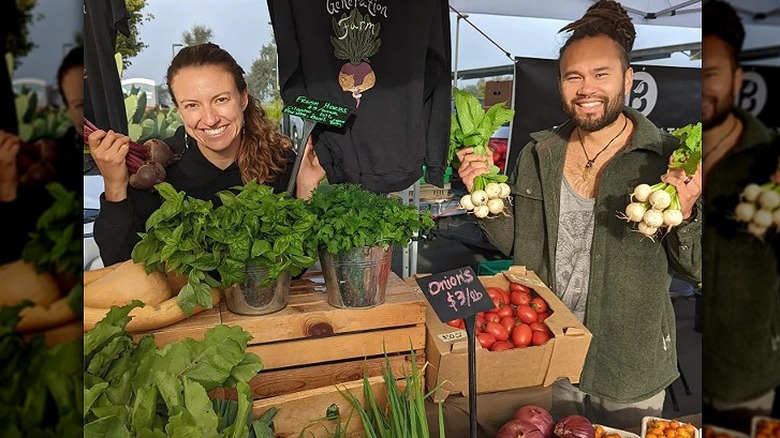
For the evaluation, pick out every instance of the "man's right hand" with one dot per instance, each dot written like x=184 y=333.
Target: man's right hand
x=109 y=150
x=472 y=165
x=9 y=176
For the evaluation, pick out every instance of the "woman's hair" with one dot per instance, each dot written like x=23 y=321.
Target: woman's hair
x=74 y=59
x=607 y=18
x=261 y=152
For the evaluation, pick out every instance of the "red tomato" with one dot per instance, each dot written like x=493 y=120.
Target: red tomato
x=486 y=340
x=526 y=314
x=519 y=287
x=505 y=294
x=522 y=335
x=497 y=330
x=492 y=317
x=508 y=322
x=542 y=316
x=457 y=323
x=520 y=298
x=499 y=346
x=507 y=310
x=480 y=321
x=539 y=338
x=539 y=327
x=496 y=293
x=539 y=304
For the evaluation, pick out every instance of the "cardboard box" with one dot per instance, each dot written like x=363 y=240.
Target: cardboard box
x=498 y=91
x=562 y=357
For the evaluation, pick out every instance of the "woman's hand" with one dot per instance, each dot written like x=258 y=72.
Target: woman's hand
x=310 y=172
x=688 y=188
x=473 y=165
x=9 y=176
x=109 y=150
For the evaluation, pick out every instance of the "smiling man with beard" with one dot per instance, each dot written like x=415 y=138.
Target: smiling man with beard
x=567 y=186
x=741 y=358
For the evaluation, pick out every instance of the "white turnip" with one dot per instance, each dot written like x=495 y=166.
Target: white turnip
x=479 y=197
x=505 y=190
x=635 y=211
x=481 y=211
x=659 y=199
x=776 y=217
x=493 y=190
x=653 y=218
x=745 y=211
x=769 y=199
x=647 y=230
x=641 y=192
x=495 y=206
x=756 y=230
x=672 y=217
x=751 y=192
x=466 y=203
x=763 y=218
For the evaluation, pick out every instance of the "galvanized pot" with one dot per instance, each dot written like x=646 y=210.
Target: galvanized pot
x=248 y=298
x=356 y=278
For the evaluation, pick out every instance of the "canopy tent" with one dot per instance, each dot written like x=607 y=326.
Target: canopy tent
x=654 y=18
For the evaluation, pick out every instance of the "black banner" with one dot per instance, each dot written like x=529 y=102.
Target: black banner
x=760 y=96
x=669 y=96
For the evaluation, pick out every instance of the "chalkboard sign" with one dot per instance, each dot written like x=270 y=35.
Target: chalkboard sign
x=318 y=111
x=455 y=294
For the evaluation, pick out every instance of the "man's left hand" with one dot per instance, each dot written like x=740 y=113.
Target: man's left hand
x=688 y=188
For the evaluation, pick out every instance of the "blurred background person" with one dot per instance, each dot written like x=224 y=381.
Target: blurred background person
x=741 y=306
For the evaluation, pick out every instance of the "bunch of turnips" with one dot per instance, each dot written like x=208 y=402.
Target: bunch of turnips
x=759 y=207
x=655 y=210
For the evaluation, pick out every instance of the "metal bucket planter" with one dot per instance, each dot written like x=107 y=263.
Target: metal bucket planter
x=356 y=278
x=248 y=298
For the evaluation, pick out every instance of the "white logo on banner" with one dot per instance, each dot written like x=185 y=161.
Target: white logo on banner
x=752 y=96
x=644 y=93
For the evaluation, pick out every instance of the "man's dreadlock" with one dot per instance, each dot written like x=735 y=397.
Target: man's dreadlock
x=721 y=20
x=607 y=18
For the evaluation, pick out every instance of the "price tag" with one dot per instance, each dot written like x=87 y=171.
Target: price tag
x=453 y=336
x=318 y=111
x=455 y=294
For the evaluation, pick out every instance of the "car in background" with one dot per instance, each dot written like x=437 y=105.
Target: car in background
x=292 y=126
x=499 y=144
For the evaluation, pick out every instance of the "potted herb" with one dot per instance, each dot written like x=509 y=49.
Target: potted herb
x=250 y=246
x=355 y=232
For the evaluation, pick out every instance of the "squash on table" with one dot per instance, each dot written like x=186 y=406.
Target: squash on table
x=19 y=281
x=148 y=317
x=127 y=282
x=45 y=316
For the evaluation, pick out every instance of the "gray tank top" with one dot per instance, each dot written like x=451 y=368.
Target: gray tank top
x=572 y=250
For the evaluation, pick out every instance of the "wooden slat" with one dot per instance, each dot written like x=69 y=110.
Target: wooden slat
x=193 y=327
x=277 y=382
x=305 y=409
x=348 y=346
x=308 y=314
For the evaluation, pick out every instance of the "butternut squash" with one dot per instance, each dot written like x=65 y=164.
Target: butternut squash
x=149 y=317
x=45 y=316
x=175 y=281
x=19 y=282
x=128 y=282
x=96 y=274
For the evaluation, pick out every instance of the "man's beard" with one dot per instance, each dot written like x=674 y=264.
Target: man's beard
x=612 y=109
x=723 y=107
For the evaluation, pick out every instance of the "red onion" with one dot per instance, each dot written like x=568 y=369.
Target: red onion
x=574 y=426
x=519 y=429
x=538 y=416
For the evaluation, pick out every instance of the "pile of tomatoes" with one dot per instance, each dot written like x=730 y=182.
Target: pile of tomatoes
x=516 y=321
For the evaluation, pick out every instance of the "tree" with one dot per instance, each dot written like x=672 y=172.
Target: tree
x=18 y=42
x=131 y=46
x=199 y=34
x=262 y=80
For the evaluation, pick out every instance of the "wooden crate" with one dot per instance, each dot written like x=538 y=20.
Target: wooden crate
x=305 y=410
x=311 y=344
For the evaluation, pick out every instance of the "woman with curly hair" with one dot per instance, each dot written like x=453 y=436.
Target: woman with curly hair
x=226 y=140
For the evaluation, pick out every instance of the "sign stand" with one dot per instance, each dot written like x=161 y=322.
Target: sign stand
x=459 y=294
x=312 y=112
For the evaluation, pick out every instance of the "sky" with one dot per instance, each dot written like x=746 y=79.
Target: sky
x=242 y=27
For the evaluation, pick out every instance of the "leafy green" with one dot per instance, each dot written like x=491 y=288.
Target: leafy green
x=135 y=389
x=41 y=394
x=347 y=216
x=472 y=126
x=37 y=123
x=688 y=155
x=56 y=244
x=252 y=227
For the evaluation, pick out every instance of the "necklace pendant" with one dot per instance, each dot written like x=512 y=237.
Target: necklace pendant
x=586 y=172
x=589 y=164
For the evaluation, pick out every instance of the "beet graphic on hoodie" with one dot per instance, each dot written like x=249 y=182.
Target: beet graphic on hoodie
x=389 y=61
